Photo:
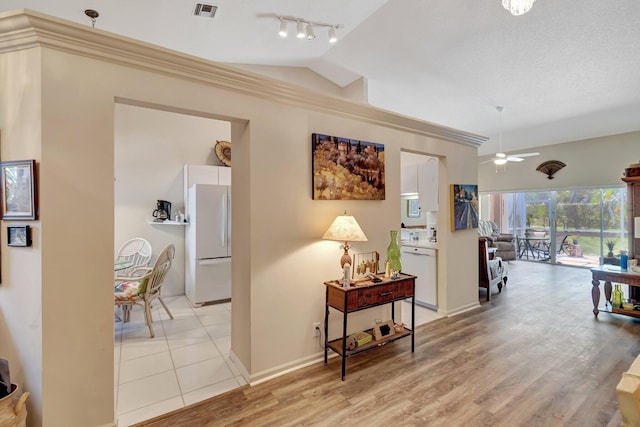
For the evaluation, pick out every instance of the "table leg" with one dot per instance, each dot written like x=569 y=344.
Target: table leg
x=344 y=344
x=326 y=331
x=607 y=291
x=595 y=296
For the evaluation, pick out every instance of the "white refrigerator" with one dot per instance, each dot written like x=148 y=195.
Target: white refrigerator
x=208 y=244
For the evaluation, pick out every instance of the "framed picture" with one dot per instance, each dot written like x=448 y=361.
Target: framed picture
x=19 y=200
x=413 y=209
x=19 y=235
x=383 y=330
x=464 y=206
x=346 y=169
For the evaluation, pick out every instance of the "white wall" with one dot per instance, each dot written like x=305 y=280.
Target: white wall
x=597 y=162
x=151 y=148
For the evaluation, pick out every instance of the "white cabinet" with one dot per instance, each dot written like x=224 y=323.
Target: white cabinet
x=422 y=263
x=409 y=179
x=428 y=185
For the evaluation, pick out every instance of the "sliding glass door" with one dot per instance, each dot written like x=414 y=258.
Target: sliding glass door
x=569 y=227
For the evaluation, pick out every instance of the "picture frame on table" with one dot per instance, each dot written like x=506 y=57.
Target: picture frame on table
x=383 y=330
x=19 y=199
x=19 y=235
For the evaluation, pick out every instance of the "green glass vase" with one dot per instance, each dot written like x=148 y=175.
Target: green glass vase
x=393 y=253
x=617 y=297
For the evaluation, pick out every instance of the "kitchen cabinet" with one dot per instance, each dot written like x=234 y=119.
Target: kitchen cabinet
x=422 y=262
x=428 y=185
x=409 y=179
x=422 y=178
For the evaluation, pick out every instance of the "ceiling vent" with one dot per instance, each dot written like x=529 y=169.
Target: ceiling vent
x=205 y=10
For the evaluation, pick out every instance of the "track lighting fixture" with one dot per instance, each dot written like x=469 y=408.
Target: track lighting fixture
x=309 y=34
x=283 y=28
x=332 y=35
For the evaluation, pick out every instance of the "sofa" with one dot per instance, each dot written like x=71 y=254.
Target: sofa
x=503 y=242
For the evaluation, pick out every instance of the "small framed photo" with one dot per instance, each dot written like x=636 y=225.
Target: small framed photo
x=19 y=200
x=383 y=330
x=19 y=235
x=413 y=209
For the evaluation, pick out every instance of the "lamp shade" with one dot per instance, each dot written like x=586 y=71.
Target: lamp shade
x=636 y=227
x=345 y=228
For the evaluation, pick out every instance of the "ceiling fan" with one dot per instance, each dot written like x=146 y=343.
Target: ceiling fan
x=501 y=158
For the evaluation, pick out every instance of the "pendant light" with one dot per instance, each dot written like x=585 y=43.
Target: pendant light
x=518 y=7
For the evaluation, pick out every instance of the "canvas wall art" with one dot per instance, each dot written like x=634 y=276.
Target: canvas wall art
x=347 y=169
x=464 y=206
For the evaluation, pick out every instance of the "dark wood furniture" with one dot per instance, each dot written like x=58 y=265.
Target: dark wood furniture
x=485 y=257
x=633 y=210
x=609 y=274
x=360 y=297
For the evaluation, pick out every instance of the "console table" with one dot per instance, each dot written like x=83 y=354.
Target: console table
x=609 y=274
x=362 y=296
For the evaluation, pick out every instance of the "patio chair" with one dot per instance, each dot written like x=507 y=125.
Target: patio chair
x=144 y=287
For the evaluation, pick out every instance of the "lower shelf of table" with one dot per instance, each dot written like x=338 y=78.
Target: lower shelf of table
x=610 y=309
x=336 y=345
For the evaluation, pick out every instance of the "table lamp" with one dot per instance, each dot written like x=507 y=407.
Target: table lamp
x=345 y=229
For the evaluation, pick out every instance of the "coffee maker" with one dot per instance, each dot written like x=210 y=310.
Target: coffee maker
x=163 y=211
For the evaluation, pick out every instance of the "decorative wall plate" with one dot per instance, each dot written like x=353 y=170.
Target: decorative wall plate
x=223 y=152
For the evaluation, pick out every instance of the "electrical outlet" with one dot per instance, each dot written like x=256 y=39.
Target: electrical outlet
x=316 y=329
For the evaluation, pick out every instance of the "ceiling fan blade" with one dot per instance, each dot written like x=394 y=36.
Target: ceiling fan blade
x=487 y=161
x=514 y=159
x=524 y=154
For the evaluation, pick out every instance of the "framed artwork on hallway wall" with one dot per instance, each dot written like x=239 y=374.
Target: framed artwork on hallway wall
x=464 y=206
x=19 y=200
x=346 y=169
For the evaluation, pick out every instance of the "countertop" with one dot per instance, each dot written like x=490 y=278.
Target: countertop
x=419 y=244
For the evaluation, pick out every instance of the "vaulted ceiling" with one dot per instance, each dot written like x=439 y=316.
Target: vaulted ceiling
x=565 y=71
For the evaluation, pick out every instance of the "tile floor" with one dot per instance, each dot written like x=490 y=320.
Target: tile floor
x=187 y=361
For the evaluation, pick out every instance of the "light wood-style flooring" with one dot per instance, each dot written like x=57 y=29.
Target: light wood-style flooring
x=532 y=356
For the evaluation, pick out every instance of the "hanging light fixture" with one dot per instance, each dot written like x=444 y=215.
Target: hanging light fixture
x=283 y=28
x=518 y=7
x=309 y=34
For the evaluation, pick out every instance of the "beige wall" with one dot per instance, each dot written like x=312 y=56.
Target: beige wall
x=597 y=162
x=279 y=260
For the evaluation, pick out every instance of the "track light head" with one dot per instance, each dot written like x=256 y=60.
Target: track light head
x=300 y=31
x=310 y=34
x=332 y=35
x=283 y=28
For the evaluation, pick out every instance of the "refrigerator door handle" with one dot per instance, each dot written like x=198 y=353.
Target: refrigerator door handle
x=212 y=261
x=223 y=224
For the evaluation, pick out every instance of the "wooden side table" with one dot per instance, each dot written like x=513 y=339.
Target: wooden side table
x=360 y=297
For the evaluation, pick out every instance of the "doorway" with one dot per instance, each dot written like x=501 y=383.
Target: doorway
x=187 y=361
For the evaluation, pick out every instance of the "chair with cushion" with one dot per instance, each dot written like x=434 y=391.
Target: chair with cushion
x=503 y=242
x=143 y=287
x=134 y=253
x=492 y=270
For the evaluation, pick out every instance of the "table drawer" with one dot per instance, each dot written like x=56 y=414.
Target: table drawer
x=377 y=295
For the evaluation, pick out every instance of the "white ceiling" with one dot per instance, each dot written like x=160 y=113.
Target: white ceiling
x=565 y=71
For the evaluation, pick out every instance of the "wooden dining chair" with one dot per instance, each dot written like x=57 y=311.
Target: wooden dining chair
x=143 y=287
